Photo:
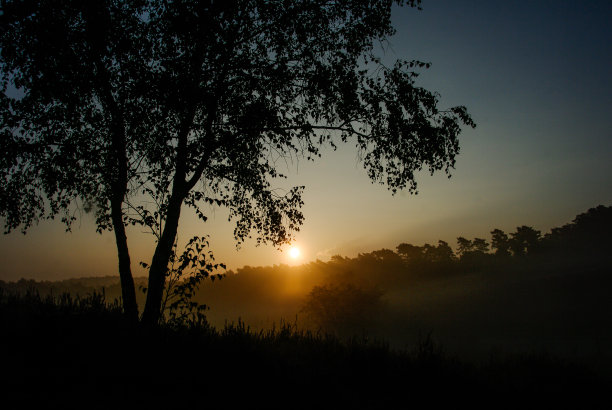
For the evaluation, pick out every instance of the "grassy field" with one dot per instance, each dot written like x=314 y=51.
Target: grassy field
x=65 y=352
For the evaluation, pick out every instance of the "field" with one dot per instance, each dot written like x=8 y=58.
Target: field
x=69 y=353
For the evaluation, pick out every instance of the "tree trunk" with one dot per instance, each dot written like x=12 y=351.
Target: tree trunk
x=97 y=17
x=128 y=291
x=159 y=264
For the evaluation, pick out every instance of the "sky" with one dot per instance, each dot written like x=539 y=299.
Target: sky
x=535 y=76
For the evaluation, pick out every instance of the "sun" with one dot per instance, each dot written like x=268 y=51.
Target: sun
x=294 y=252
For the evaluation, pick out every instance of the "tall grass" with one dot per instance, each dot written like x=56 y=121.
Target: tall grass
x=79 y=352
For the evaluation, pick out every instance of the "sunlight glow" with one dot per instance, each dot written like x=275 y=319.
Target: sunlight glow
x=294 y=252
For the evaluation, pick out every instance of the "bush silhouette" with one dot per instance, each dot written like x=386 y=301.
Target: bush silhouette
x=343 y=309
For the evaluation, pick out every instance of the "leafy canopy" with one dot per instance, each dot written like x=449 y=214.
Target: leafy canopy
x=199 y=100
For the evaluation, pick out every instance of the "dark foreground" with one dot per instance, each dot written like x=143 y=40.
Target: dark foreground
x=80 y=353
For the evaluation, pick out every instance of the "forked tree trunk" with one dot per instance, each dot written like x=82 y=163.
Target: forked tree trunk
x=128 y=291
x=159 y=264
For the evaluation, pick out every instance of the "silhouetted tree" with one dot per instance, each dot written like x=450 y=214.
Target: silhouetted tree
x=386 y=256
x=524 y=241
x=588 y=233
x=500 y=242
x=126 y=104
x=463 y=246
x=442 y=253
x=480 y=245
x=337 y=259
x=410 y=253
x=473 y=251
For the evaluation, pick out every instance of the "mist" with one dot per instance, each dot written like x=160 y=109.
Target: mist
x=519 y=292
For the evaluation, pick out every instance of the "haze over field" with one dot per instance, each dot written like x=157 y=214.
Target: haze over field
x=535 y=78
x=517 y=292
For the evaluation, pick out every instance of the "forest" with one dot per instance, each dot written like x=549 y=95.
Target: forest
x=519 y=291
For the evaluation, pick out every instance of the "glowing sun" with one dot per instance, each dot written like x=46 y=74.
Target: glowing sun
x=294 y=252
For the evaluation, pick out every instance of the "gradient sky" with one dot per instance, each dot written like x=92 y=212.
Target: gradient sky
x=535 y=76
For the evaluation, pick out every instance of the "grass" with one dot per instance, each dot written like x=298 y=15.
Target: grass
x=65 y=352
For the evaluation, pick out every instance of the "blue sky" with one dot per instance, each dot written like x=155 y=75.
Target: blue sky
x=534 y=75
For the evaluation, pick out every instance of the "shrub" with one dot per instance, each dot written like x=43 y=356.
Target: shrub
x=343 y=309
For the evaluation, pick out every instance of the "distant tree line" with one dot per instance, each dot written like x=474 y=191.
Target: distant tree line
x=107 y=286
x=347 y=293
x=353 y=289
x=588 y=235
x=587 y=239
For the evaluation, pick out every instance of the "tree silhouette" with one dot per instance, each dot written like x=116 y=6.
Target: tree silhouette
x=473 y=250
x=500 y=242
x=480 y=245
x=410 y=253
x=524 y=241
x=463 y=246
x=137 y=108
x=386 y=256
x=588 y=233
x=442 y=253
